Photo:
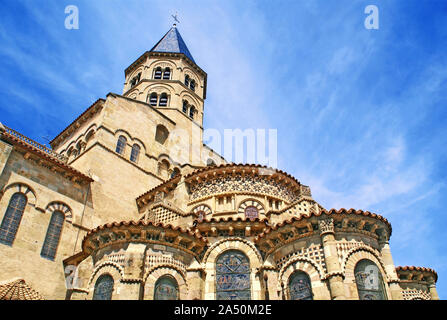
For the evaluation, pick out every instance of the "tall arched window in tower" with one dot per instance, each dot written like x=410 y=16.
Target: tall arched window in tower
x=121 y=144
x=185 y=106
x=187 y=80
x=153 y=99
x=192 y=85
x=53 y=235
x=167 y=74
x=12 y=218
x=369 y=281
x=299 y=286
x=192 y=110
x=157 y=73
x=233 y=276
x=166 y=288
x=163 y=100
x=103 y=288
x=135 y=153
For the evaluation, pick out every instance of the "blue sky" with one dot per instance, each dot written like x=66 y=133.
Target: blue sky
x=360 y=113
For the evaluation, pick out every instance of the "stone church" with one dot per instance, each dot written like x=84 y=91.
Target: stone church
x=129 y=203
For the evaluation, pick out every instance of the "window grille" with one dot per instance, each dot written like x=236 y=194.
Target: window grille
x=134 y=153
x=233 y=276
x=103 y=288
x=12 y=218
x=121 y=145
x=52 y=238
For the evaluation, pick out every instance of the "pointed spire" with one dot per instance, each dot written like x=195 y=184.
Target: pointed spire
x=173 y=42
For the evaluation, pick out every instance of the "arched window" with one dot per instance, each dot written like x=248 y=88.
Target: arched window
x=163 y=100
x=187 y=81
x=135 y=80
x=103 y=288
x=191 y=112
x=157 y=73
x=153 y=99
x=192 y=85
x=299 y=286
x=369 y=281
x=161 y=134
x=167 y=74
x=53 y=235
x=175 y=172
x=134 y=153
x=166 y=288
x=12 y=218
x=185 y=106
x=210 y=162
x=121 y=144
x=232 y=276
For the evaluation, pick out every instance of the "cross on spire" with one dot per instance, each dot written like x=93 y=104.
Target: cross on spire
x=175 y=17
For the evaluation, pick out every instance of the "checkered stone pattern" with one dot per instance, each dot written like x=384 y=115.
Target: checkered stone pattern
x=314 y=253
x=162 y=215
x=413 y=294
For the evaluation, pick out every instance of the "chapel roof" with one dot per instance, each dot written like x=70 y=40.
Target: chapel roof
x=18 y=289
x=172 y=42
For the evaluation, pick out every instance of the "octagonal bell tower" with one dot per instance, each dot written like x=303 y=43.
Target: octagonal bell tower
x=167 y=78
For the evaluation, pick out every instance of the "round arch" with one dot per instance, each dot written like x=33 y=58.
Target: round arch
x=160 y=271
x=210 y=259
x=350 y=263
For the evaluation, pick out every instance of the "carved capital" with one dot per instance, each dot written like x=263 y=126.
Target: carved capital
x=326 y=226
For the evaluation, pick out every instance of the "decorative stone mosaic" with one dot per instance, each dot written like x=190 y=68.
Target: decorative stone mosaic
x=248 y=183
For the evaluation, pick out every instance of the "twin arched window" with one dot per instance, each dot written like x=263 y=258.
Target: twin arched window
x=233 y=276
x=153 y=100
x=166 y=288
x=166 y=73
x=103 y=288
x=369 y=281
x=190 y=83
x=121 y=146
x=12 y=218
x=188 y=109
x=53 y=235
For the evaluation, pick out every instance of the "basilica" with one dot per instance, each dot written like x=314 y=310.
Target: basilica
x=130 y=204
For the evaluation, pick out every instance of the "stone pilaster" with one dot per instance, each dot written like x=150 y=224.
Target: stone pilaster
x=129 y=290
x=195 y=284
x=390 y=269
x=432 y=289
x=335 y=275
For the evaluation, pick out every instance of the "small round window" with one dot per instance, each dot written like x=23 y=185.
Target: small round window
x=251 y=212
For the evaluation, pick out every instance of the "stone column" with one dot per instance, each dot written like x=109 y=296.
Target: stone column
x=390 y=269
x=335 y=275
x=432 y=289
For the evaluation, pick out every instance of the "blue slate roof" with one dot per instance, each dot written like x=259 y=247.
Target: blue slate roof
x=172 y=42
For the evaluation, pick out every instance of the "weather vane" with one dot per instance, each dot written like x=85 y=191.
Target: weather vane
x=175 y=18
